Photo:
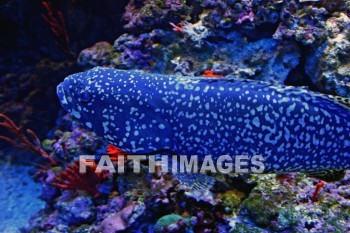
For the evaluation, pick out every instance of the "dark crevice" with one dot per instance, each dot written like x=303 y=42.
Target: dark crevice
x=298 y=76
x=262 y=31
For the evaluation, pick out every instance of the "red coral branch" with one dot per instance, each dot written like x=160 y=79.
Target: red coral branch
x=57 y=25
x=21 y=141
x=210 y=73
x=114 y=152
x=72 y=179
x=317 y=190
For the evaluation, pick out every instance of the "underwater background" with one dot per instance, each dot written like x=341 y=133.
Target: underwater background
x=298 y=43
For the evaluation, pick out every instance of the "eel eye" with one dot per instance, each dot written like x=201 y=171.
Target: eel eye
x=84 y=96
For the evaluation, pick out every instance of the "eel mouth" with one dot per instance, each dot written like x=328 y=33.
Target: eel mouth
x=61 y=96
x=64 y=96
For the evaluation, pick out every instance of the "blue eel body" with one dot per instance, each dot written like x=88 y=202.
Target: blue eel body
x=294 y=129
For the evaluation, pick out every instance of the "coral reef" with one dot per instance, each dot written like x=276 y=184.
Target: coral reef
x=73 y=179
x=174 y=223
x=272 y=59
x=329 y=64
x=194 y=32
x=298 y=42
x=76 y=211
x=121 y=220
x=281 y=206
x=97 y=55
x=145 y=15
x=263 y=40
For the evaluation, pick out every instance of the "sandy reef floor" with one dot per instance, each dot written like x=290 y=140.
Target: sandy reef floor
x=18 y=197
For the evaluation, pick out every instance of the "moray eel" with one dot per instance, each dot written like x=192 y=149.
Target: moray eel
x=293 y=128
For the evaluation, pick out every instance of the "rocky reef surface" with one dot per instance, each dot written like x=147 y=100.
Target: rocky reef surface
x=304 y=43
x=292 y=42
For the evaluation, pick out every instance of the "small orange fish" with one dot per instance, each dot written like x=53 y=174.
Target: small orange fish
x=210 y=73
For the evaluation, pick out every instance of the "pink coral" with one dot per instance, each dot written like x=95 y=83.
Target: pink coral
x=119 y=221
